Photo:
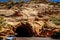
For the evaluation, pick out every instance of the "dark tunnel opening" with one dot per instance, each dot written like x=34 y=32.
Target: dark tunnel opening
x=24 y=30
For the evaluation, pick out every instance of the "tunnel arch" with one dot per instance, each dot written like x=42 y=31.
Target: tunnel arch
x=24 y=30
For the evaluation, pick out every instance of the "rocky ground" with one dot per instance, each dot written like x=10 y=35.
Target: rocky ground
x=42 y=18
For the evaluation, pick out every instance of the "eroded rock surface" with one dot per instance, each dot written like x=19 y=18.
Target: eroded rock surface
x=36 y=15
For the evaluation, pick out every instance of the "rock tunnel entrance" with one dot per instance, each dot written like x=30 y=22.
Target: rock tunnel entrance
x=24 y=30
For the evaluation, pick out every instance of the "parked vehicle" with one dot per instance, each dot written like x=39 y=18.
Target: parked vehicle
x=11 y=37
x=1 y=38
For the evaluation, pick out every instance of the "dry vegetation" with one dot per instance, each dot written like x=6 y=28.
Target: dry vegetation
x=44 y=18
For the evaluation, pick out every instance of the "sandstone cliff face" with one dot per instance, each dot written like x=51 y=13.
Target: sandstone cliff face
x=36 y=15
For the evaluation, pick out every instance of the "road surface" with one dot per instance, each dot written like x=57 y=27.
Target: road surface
x=34 y=38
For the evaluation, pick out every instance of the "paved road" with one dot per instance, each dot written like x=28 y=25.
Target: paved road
x=34 y=38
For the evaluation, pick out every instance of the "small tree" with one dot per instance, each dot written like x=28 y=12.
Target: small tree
x=21 y=1
x=11 y=1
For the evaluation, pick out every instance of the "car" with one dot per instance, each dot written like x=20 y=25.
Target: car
x=56 y=35
x=11 y=37
x=1 y=38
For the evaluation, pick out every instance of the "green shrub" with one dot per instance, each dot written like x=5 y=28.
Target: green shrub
x=55 y=20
